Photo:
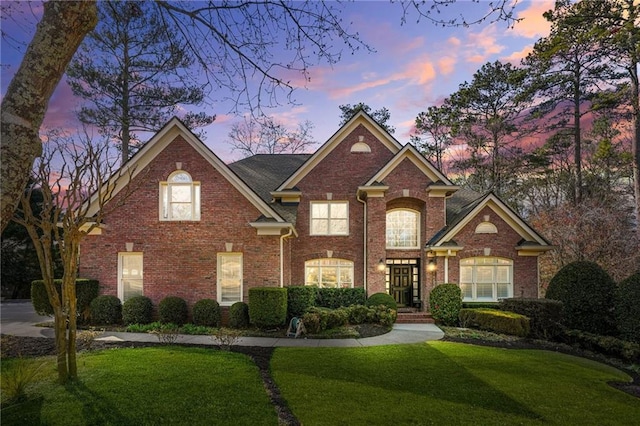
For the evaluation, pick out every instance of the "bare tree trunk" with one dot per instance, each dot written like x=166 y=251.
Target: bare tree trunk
x=58 y=35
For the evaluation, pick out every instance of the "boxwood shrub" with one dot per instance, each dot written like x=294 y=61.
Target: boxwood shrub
x=382 y=299
x=334 y=298
x=207 y=312
x=86 y=291
x=137 y=310
x=268 y=306
x=300 y=299
x=545 y=315
x=588 y=296
x=105 y=310
x=173 y=310
x=495 y=320
x=628 y=308
x=239 y=315
x=445 y=302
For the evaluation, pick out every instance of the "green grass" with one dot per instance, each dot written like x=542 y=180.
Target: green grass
x=449 y=383
x=151 y=386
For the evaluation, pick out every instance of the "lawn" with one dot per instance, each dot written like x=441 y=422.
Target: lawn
x=449 y=383
x=150 y=386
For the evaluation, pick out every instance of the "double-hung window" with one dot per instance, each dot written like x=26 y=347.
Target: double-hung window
x=486 y=279
x=179 y=197
x=329 y=218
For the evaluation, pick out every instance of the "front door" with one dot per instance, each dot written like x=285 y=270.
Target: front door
x=401 y=284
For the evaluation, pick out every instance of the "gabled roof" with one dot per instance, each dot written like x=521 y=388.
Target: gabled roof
x=359 y=118
x=466 y=204
x=411 y=153
x=159 y=142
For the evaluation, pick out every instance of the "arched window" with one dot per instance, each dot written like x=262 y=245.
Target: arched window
x=329 y=273
x=179 y=197
x=486 y=278
x=403 y=229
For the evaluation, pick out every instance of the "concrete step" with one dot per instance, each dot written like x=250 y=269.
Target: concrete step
x=414 y=318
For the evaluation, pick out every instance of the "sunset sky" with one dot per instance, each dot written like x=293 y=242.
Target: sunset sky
x=415 y=65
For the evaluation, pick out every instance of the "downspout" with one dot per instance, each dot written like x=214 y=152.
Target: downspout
x=282 y=237
x=364 y=222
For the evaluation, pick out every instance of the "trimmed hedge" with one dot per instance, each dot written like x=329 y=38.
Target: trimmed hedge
x=545 y=315
x=588 y=295
x=495 y=320
x=137 y=310
x=268 y=306
x=317 y=320
x=445 y=302
x=173 y=310
x=300 y=299
x=106 y=310
x=334 y=298
x=207 y=312
x=628 y=308
x=382 y=299
x=86 y=291
x=239 y=315
x=607 y=345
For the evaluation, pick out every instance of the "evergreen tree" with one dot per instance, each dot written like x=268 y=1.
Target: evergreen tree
x=381 y=116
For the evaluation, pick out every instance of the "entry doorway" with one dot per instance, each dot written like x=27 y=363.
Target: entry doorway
x=403 y=281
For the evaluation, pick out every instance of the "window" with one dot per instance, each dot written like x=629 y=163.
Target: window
x=403 y=228
x=179 y=197
x=329 y=273
x=486 y=278
x=330 y=218
x=229 y=278
x=129 y=275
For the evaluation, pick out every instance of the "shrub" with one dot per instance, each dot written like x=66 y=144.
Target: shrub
x=312 y=322
x=628 y=308
x=358 y=314
x=300 y=299
x=334 y=298
x=173 y=310
x=137 y=310
x=545 y=315
x=385 y=316
x=239 y=315
x=445 y=302
x=495 y=320
x=207 y=312
x=86 y=291
x=267 y=306
x=607 y=345
x=588 y=296
x=106 y=310
x=382 y=299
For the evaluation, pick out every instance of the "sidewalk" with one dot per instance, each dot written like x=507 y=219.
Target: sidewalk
x=18 y=319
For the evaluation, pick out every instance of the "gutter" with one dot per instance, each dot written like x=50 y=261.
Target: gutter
x=365 y=257
x=282 y=237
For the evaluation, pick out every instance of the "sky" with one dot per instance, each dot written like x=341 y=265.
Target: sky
x=415 y=65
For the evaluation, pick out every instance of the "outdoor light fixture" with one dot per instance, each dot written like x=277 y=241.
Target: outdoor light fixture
x=381 y=265
x=432 y=265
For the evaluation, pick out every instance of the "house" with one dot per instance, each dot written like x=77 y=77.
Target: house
x=362 y=211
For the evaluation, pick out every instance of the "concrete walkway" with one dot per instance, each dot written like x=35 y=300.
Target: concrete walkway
x=19 y=319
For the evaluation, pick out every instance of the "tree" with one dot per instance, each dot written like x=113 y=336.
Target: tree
x=67 y=212
x=488 y=115
x=58 y=35
x=266 y=136
x=569 y=67
x=433 y=133
x=381 y=116
x=133 y=75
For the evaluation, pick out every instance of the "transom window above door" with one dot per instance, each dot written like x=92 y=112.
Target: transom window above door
x=179 y=197
x=329 y=218
x=403 y=229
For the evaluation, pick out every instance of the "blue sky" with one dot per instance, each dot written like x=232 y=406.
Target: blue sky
x=414 y=66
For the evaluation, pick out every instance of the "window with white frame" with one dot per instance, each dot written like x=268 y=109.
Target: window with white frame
x=130 y=275
x=329 y=218
x=229 y=278
x=179 y=197
x=486 y=279
x=329 y=273
x=403 y=229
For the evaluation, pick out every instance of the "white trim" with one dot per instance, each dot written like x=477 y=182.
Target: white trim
x=219 y=277
x=418 y=221
x=121 y=255
x=328 y=219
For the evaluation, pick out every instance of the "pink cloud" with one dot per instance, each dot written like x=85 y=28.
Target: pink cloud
x=533 y=24
x=447 y=65
x=483 y=45
x=516 y=57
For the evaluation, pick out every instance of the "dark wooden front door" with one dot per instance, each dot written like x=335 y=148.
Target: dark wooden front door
x=401 y=287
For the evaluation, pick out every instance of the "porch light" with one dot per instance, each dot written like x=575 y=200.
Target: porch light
x=432 y=265
x=381 y=265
